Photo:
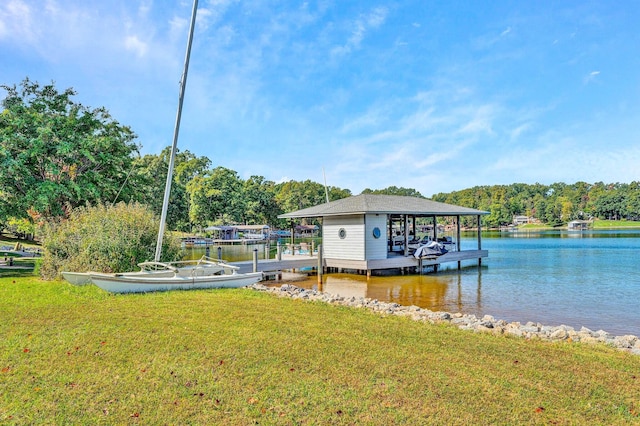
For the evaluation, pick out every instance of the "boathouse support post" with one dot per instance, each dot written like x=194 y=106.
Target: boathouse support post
x=255 y=260
x=413 y=226
x=293 y=235
x=435 y=229
x=479 y=238
x=458 y=239
x=320 y=264
x=279 y=251
x=390 y=222
x=405 y=221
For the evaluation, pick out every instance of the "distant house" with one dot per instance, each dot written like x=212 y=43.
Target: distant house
x=521 y=220
x=306 y=231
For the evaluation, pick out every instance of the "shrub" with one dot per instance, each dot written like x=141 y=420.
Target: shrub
x=103 y=239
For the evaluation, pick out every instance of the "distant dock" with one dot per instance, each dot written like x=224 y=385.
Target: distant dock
x=208 y=242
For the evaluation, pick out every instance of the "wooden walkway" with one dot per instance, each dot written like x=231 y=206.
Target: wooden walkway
x=273 y=265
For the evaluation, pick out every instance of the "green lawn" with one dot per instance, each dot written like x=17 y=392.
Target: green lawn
x=604 y=224
x=78 y=355
x=597 y=224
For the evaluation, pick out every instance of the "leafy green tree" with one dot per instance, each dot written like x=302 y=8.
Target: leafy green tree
x=611 y=205
x=336 y=193
x=56 y=154
x=295 y=195
x=148 y=182
x=216 y=197
x=22 y=227
x=260 y=201
x=394 y=190
x=103 y=238
x=633 y=201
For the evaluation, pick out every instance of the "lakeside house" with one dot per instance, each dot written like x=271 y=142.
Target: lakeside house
x=362 y=232
x=521 y=220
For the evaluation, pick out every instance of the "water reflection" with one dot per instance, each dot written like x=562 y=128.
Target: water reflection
x=451 y=291
x=231 y=253
x=550 y=277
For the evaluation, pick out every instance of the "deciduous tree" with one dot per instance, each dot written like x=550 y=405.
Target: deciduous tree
x=56 y=154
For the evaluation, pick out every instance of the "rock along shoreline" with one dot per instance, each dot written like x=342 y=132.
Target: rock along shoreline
x=486 y=324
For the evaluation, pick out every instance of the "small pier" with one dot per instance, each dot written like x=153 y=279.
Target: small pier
x=273 y=266
x=209 y=242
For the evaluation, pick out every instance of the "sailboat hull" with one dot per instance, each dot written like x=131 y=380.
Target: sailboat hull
x=116 y=283
x=77 y=278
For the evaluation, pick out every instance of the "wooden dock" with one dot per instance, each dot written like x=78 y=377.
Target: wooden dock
x=289 y=262
x=274 y=265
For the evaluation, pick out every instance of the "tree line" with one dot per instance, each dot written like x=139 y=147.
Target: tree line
x=57 y=155
x=553 y=205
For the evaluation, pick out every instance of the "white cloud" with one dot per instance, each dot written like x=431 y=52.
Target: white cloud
x=137 y=46
x=359 y=29
x=591 y=77
x=212 y=13
x=519 y=131
x=16 y=22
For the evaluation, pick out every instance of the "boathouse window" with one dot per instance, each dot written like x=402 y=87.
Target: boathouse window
x=342 y=233
x=376 y=232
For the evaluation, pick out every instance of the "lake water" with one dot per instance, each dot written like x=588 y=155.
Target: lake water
x=589 y=279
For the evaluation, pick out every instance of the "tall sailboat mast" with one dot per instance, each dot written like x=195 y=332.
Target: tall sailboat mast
x=167 y=188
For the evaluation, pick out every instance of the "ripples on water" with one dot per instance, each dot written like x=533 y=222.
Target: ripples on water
x=589 y=279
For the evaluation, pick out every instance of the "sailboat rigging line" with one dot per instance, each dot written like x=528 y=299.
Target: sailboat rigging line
x=326 y=191
x=183 y=83
x=123 y=184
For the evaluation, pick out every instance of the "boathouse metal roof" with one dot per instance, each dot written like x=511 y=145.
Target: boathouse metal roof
x=383 y=204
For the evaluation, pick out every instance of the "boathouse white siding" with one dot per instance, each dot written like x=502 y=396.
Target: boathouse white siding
x=349 y=247
x=375 y=248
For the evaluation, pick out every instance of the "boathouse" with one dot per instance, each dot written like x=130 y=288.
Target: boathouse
x=370 y=232
x=578 y=225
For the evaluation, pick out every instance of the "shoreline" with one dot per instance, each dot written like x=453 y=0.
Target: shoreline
x=486 y=324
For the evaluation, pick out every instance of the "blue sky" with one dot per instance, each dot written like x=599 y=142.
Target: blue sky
x=433 y=95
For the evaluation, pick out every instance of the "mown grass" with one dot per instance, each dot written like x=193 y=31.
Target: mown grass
x=597 y=224
x=605 y=224
x=77 y=355
x=22 y=266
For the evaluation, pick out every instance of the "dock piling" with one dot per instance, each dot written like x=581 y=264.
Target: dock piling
x=320 y=264
x=255 y=260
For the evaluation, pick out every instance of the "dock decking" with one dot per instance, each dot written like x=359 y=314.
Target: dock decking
x=289 y=262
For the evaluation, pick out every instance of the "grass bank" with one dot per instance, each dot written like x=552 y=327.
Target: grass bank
x=597 y=224
x=77 y=355
x=613 y=224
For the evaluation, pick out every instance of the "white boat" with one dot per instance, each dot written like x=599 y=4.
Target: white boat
x=183 y=275
x=77 y=278
x=202 y=267
x=431 y=249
